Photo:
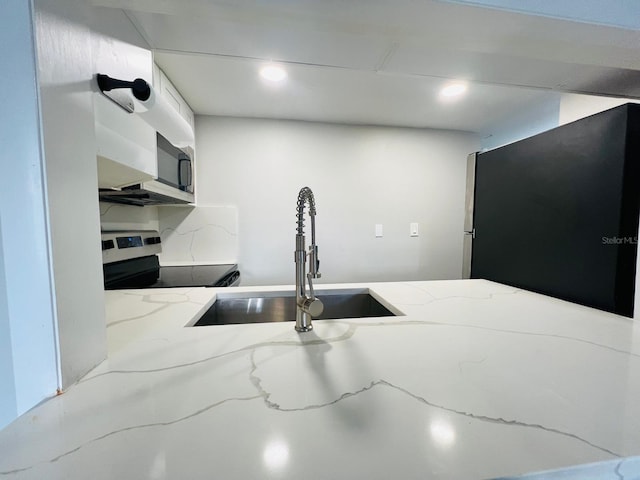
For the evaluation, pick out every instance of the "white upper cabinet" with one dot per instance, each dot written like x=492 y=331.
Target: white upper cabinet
x=163 y=85
x=125 y=144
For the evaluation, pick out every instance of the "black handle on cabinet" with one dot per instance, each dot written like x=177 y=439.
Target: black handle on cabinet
x=139 y=87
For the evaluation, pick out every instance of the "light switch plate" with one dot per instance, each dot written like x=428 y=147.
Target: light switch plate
x=413 y=229
x=378 y=230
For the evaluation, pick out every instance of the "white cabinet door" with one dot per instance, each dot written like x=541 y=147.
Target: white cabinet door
x=170 y=93
x=125 y=144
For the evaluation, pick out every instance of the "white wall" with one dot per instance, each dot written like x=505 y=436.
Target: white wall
x=559 y=110
x=537 y=118
x=574 y=107
x=28 y=357
x=8 y=407
x=65 y=72
x=360 y=176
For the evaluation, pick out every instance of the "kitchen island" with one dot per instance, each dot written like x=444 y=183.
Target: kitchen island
x=475 y=380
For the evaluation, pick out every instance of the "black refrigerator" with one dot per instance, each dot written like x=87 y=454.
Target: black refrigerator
x=557 y=213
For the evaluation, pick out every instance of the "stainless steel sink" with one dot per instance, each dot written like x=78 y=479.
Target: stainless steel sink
x=281 y=307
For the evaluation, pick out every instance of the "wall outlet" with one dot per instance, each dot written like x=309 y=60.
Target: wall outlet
x=413 y=229
x=378 y=230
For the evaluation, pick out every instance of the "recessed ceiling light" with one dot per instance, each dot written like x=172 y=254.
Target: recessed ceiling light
x=453 y=90
x=273 y=73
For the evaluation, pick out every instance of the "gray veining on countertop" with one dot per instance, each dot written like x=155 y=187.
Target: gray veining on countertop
x=477 y=380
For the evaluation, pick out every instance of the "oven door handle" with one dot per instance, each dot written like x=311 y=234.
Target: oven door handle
x=229 y=280
x=184 y=170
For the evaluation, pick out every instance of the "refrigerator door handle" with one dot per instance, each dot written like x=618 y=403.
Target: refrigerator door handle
x=469 y=229
x=469 y=193
x=467 y=248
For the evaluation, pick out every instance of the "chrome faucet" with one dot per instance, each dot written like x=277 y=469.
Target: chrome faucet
x=308 y=306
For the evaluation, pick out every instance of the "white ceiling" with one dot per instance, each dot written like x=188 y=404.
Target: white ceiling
x=380 y=62
x=617 y=13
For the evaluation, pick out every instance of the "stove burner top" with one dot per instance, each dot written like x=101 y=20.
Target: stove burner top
x=146 y=272
x=197 y=276
x=130 y=261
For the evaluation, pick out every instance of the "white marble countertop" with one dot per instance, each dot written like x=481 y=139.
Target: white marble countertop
x=477 y=380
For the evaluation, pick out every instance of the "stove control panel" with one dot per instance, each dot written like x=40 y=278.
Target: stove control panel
x=125 y=245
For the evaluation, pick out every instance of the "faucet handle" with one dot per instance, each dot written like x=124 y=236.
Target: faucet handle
x=313 y=306
x=314 y=262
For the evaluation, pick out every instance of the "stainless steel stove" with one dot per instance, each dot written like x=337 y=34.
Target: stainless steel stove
x=130 y=260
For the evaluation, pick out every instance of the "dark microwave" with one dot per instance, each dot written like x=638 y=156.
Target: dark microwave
x=174 y=184
x=174 y=166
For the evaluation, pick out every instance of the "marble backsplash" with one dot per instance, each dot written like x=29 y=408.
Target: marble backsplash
x=126 y=217
x=201 y=235
x=190 y=235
